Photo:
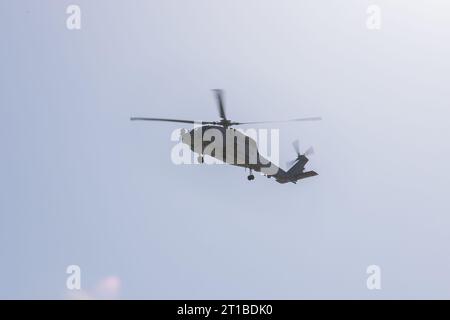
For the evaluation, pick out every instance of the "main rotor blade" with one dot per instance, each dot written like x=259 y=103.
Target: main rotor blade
x=278 y=121
x=220 y=103
x=170 y=120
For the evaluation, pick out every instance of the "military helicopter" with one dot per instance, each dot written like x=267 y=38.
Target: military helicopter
x=237 y=148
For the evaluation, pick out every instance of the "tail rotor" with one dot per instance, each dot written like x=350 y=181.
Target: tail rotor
x=296 y=146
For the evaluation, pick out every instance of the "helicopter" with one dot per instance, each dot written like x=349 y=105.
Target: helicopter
x=237 y=148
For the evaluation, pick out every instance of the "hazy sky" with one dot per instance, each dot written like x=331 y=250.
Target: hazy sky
x=81 y=184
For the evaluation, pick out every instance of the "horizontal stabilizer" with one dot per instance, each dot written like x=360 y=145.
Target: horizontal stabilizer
x=306 y=174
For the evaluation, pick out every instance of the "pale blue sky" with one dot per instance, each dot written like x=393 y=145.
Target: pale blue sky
x=81 y=184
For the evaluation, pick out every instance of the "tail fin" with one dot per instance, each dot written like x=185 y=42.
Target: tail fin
x=299 y=165
x=297 y=171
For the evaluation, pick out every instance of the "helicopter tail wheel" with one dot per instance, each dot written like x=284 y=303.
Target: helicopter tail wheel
x=200 y=159
x=251 y=177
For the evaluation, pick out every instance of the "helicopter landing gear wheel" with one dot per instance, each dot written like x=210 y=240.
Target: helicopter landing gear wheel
x=251 y=176
x=200 y=159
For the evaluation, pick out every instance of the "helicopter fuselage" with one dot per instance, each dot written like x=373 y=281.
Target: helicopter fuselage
x=230 y=146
